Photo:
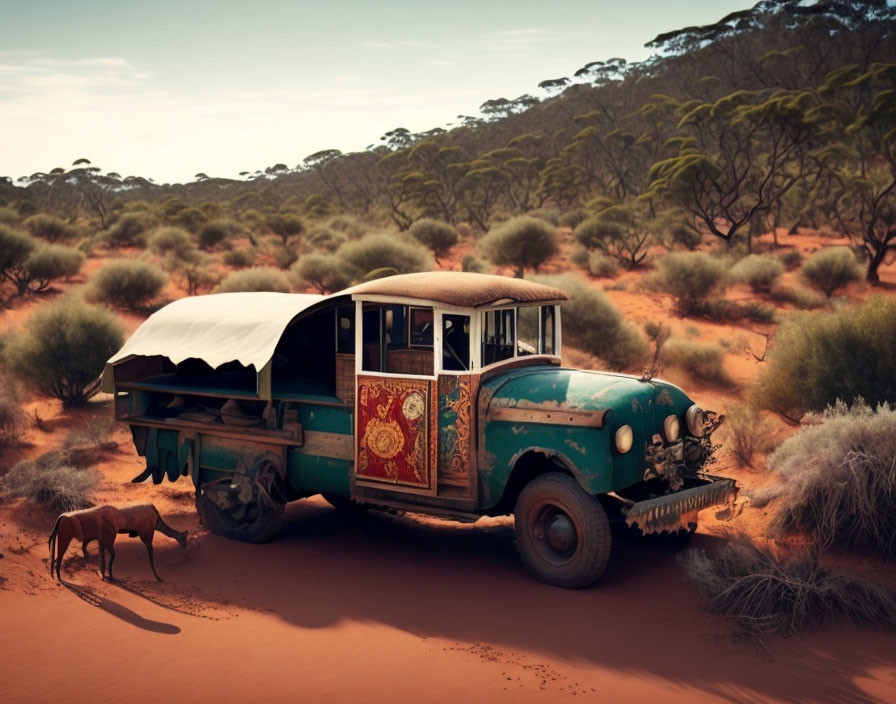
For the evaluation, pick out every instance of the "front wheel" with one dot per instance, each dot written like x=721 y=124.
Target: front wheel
x=562 y=532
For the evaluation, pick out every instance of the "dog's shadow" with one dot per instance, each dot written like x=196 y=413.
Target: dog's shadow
x=90 y=596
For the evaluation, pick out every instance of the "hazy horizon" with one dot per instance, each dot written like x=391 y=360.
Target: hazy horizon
x=172 y=89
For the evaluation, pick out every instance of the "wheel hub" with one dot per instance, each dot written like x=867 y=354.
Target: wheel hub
x=561 y=534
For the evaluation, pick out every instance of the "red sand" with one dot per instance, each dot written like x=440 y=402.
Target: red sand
x=386 y=608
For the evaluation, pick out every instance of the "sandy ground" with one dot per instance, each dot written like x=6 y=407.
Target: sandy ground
x=398 y=608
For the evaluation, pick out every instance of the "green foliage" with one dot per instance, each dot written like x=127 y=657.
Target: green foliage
x=49 y=227
x=705 y=361
x=15 y=248
x=839 y=484
x=438 y=236
x=831 y=268
x=822 y=357
x=326 y=273
x=599 y=264
x=64 y=349
x=758 y=271
x=170 y=240
x=379 y=251
x=240 y=258
x=216 y=232
x=520 y=243
x=690 y=277
x=593 y=324
x=616 y=230
x=285 y=225
x=129 y=229
x=259 y=278
x=128 y=283
x=191 y=219
x=473 y=264
x=52 y=261
x=579 y=255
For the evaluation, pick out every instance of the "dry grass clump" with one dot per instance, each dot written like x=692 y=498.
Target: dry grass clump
x=701 y=360
x=839 y=481
x=258 y=278
x=13 y=421
x=764 y=594
x=758 y=271
x=831 y=268
x=748 y=433
x=56 y=488
x=800 y=297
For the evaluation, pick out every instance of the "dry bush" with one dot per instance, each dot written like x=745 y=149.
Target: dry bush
x=701 y=360
x=284 y=225
x=831 y=268
x=9 y=216
x=800 y=297
x=51 y=262
x=128 y=283
x=57 y=487
x=473 y=264
x=839 y=481
x=764 y=594
x=438 y=236
x=384 y=251
x=758 y=271
x=520 y=243
x=324 y=272
x=603 y=265
x=690 y=277
x=791 y=258
x=64 y=349
x=49 y=227
x=594 y=325
x=748 y=433
x=217 y=232
x=464 y=230
x=818 y=358
x=259 y=278
x=579 y=255
x=348 y=225
x=325 y=238
x=170 y=240
x=14 y=421
x=129 y=229
x=240 y=258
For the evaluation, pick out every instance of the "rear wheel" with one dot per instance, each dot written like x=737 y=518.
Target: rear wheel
x=562 y=532
x=247 y=505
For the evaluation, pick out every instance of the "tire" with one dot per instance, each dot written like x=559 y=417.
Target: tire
x=345 y=505
x=562 y=532
x=257 y=520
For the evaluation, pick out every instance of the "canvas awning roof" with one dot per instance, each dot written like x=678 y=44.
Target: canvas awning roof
x=218 y=328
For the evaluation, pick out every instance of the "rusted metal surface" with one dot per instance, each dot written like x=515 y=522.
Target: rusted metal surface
x=674 y=512
x=334 y=445
x=547 y=414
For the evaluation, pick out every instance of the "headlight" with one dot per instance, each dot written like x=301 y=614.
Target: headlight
x=624 y=439
x=671 y=428
x=695 y=420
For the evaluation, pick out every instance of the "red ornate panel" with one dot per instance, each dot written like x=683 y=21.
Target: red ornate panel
x=395 y=433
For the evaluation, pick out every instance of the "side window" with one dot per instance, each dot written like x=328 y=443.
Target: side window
x=345 y=330
x=548 y=330
x=498 y=336
x=455 y=342
x=527 y=330
x=397 y=339
x=420 y=324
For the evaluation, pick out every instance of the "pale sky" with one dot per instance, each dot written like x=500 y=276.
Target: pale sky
x=167 y=89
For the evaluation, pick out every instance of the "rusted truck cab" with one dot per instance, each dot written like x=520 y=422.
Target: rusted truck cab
x=438 y=393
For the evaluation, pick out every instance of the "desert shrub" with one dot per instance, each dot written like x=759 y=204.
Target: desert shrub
x=283 y=255
x=747 y=432
x=128 y=283
x=690 y=277
x=551 y=217
x=9 y=216
x=64 y=348
x=129 y=229
x=464 y=230
x=195 y=270
x=758 y=271
x=438 y=236
x=818 y=358
x=285 y=225
x=13 y=421
x=831 y=268
x=216 y=232
x=593 y=324
x=758 y=312
x=839 y=480
x=49 y=227
x=259 y=278
x=189 y=218
x=380 y=251
x=473 y=264
x=800 y=297
x=791 y=258
x=15 y=248
x=348 y=225
x=50 y=262
x=317 y=206
x=572 y=218
x=240 y=258
x=170 y=240
x=520 y=243
x=600 y=264
x=324 y=272
x=87 y=245
x=57 y=488
x=699 y=359
x=96 y=433
x=579 y=255
x=765 y=594
x=325 y=238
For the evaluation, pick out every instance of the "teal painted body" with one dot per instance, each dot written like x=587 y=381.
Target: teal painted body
x=587 y=452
